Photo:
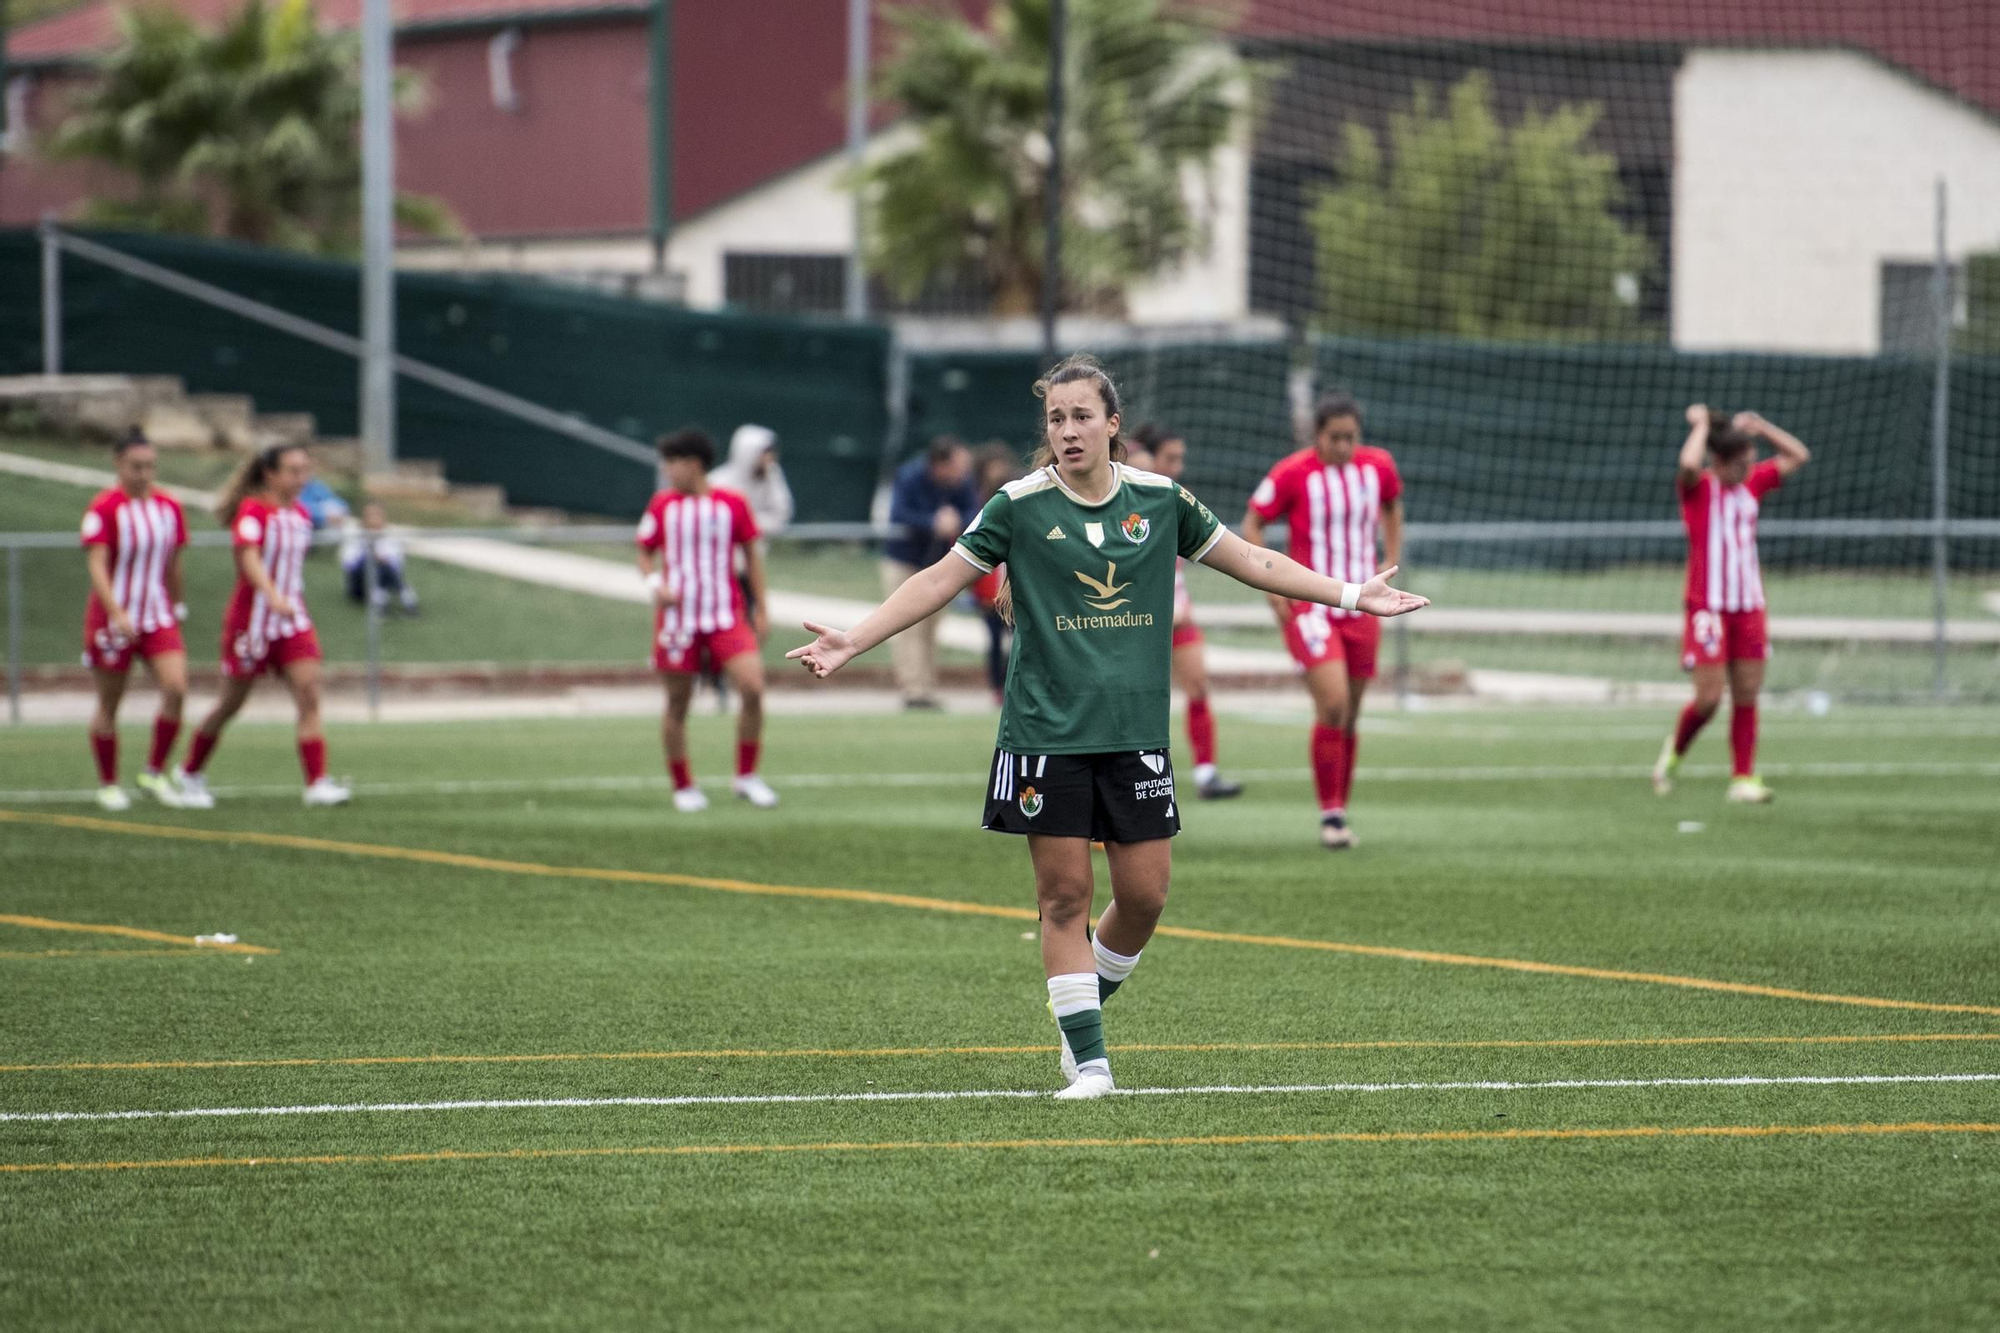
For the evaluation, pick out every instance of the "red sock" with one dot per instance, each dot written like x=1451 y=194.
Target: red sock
x=1201 y=731
x=683 y=778
x=1347 y=768
x=165 y=729
x=106 y=750
x=1743 y=739
x=312 y=758
x=746 y=757
x=1329 y=757
x=200 y=748
x=1692 y=721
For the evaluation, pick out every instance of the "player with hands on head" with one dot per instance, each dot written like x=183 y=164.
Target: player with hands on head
x=1090 y=546
x=132 y=539
x=1725 y=640
x=689 y=540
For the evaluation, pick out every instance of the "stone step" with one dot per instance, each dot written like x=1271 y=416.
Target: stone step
x=229 y=416
x=289 y=429
x=480 y=501
x=337 y=456
x=400 y=485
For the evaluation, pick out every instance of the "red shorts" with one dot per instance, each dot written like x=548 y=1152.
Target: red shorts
x=1723 y=636
x=105 y=651
x=1316 y=637
x=1186 y=633
x=243 y=658
x=683 y=653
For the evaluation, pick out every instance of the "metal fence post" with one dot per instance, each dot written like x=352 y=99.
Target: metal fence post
x=374 y=612
x=51 y=299
x=14 y=635
x=1940 y=427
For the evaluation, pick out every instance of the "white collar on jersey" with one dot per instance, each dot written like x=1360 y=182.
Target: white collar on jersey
x=1117 y=480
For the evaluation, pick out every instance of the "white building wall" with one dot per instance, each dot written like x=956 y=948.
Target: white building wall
x=1796 y=175
x=809 y=211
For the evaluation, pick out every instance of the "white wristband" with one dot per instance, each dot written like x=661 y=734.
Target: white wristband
x=1350 y=596
x=654 y=580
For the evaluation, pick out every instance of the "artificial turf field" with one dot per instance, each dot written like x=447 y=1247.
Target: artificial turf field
x=599 y=947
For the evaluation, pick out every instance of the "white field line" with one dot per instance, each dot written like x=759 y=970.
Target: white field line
x=963 y=778
x=992 y=1094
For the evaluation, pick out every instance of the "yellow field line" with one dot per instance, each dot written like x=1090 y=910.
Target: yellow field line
x=990 y=1145
x=103 y=953
x=467 y=862
x=888 y=1052
x=128 y=932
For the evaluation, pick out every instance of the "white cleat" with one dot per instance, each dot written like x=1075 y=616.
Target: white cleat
x=328 y=792
x=194 y=792
x=755 y=790
x=1334 y=835
x=688 y=800
x=1088 y=1087
x=112 y=797
x=1750 y=791
x=160 y=789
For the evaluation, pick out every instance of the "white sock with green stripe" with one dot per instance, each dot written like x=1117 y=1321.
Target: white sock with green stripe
x=1073 y=995
x=1112 y=968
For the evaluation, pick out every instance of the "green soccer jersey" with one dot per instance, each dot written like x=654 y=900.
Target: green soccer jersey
x=1093 y=588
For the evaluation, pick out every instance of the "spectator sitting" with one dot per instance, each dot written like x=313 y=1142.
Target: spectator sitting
x=390 y=580
x=753 y=473
x=933 y=499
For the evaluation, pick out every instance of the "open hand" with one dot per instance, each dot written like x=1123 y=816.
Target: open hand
x=1379 y=599
x=826 y=654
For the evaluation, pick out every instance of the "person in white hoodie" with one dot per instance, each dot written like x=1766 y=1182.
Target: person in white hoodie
x=753 y=473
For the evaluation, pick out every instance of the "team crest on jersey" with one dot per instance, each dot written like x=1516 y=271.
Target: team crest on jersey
x=1031 y=802
x=1136 y=528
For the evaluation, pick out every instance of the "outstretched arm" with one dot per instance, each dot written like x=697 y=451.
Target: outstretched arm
x=1253 y=533
x=1283 y=576
x=923 y=594
x=1694 y=451
x=1792 y=452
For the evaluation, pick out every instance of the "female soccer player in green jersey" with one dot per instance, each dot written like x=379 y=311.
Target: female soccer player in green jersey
x=1090 y=546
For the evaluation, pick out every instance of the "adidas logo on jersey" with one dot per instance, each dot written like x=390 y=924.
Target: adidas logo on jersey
x=1056 y=533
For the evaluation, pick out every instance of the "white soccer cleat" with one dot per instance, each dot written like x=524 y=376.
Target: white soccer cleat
x=1665 y=767
x=1750 y=791
x=689 y=800
x=194 y=792
x=755 y=790
x=1334 y=835
x=328 y=792
x=1087 y=1088
x=112 y=797
x=160 y=789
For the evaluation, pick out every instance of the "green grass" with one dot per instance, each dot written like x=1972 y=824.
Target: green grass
x=1520 y=835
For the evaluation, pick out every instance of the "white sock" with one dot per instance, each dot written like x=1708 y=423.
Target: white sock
x=1072 y=992
x=1113 y=966
x=1204 y=774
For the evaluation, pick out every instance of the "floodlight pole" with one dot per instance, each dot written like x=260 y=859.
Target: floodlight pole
x=378 y=241
x=1940 y=432
x=1052 y=192
x=856 y=303
x=660 y=125
x=51 y=298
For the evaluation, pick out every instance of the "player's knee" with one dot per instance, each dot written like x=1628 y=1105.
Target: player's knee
x=1334 y=716
x=1062 y=898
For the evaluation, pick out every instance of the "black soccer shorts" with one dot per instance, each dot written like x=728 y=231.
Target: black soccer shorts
x=1125 y=796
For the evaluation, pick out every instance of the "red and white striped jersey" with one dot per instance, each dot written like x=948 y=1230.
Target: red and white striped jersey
x=697 y=537
x=1183 y=604
x=1334 y=513
x=282 y=535
x=142 y=536
x=1723 y=573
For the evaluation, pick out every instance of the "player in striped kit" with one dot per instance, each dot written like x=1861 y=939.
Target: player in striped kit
x=266 y=627
x=1338 y=496
x=688 y=541
x=1725 y=636
x=1166 y=454
x=132 y=540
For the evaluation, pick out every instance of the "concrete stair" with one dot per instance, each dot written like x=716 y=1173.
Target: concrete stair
x=99 y=409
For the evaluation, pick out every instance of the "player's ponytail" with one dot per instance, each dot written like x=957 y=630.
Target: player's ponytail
x=250 y=476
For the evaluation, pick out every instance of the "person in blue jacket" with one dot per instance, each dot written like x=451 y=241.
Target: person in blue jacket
x=933 y=499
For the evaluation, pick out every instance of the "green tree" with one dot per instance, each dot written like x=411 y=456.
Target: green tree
x=1981 y=331
x=1151 y=89
x=1471 y=229
x=251 y=131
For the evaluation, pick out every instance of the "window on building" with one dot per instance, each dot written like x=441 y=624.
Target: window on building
x=1909 y=311
x=782 y=283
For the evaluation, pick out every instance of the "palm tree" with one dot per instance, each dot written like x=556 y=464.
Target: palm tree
x=1150 y=87
x=250 y=130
